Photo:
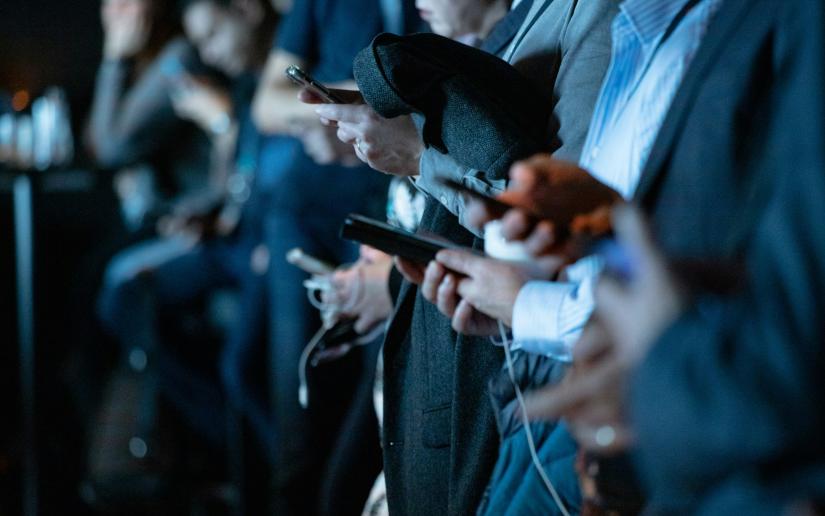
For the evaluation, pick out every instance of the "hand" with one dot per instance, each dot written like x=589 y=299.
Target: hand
x=126 y=27
x=196 y=217
x=490 y=286
x=627 y=319
x=637 y=311
x=323 y=146
x=362 y=292
x=554 y=197
x=390 y=145
x=200 y=101
x=440 y=287
x=591 y=396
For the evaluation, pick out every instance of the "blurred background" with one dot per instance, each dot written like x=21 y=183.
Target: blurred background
x=46 y=43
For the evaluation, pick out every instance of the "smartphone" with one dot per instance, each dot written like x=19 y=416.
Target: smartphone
x=391 y=240
x=307 y=263
x=303 y=79
x=496 y=207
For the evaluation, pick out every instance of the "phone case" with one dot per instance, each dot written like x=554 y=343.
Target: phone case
x=391 y=240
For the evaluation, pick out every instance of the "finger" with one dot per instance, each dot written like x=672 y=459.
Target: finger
x=522 y=176
x=612 y=300
x=592 y=343
x=412 y=272
x=447 y=297
x=462 y=317
x=477 y=213
x=632 y=229
x=457 y=260
x=433 y=276
x=515 y=225
x=541 y=239
x=363 y=324
x=308 y=96
x=328 y=123
x=340 y=112
x=347 y=133
x=554 y=402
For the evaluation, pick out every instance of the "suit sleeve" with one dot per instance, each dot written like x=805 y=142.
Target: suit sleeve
x=736 y=383
x=585 y=47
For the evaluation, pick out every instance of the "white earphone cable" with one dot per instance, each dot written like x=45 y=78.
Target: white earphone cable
x=526 y=422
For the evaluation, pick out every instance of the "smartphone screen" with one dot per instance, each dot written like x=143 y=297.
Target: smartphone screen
x=303 y=79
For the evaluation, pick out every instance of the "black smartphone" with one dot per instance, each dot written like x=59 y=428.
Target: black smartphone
x=303 y=79
x=496 y=207
x=391 y=240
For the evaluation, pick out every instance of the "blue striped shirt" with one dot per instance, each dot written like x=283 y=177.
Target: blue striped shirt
x=654 y=42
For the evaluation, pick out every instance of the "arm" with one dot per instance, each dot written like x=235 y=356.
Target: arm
x=276 y=108
x=129 y=123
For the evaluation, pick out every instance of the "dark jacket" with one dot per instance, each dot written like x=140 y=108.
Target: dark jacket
x=731 y=395
x=459 y=91
x=440 y=439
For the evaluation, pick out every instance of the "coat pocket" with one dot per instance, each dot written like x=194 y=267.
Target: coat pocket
x=436 y=426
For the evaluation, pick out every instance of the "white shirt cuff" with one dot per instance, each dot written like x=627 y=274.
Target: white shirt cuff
x=548 y=316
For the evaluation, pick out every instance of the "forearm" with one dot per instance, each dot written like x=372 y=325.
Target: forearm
x=129 y=122
x=276 y=108
x=222 y=162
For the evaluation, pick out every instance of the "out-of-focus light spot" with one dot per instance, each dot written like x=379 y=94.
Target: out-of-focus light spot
x=20 y=100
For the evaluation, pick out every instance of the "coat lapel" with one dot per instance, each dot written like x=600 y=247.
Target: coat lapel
x=727 y=20
x=505 y=30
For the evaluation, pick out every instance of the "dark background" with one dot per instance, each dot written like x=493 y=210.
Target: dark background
x=45 y=43
x=50 y=42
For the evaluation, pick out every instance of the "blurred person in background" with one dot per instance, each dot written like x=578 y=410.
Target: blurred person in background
x=133 y=129
x=363 y=293
x=207 y=243
x=309 y=200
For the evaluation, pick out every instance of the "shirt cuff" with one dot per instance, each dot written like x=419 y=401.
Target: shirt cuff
x=548 y=317
x=536 y=313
